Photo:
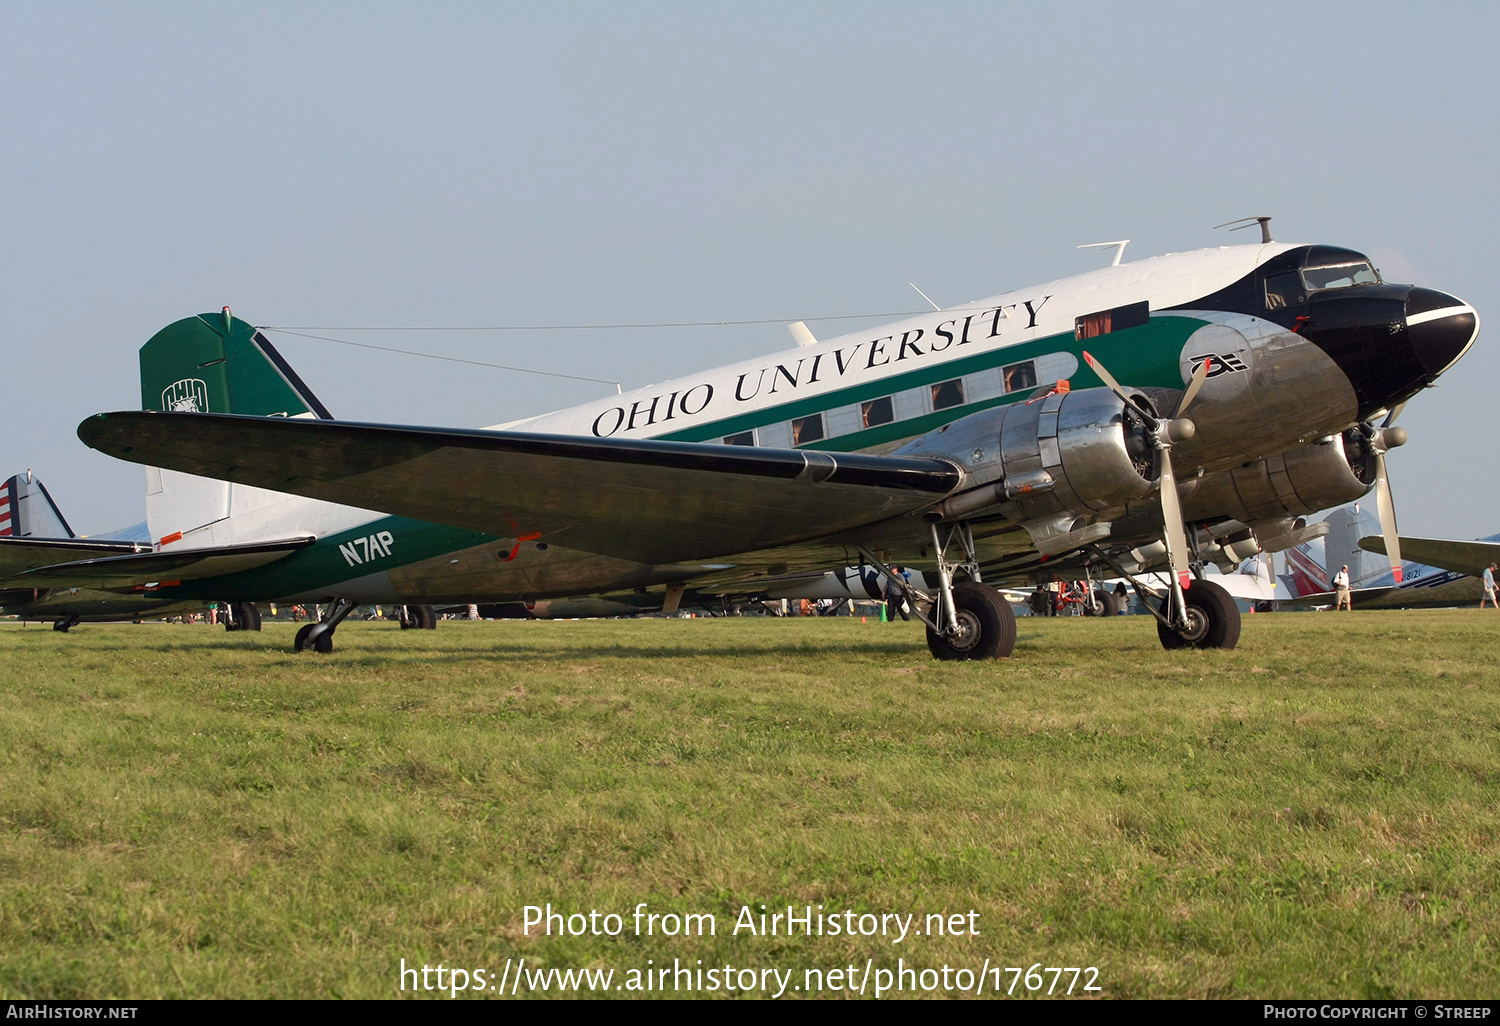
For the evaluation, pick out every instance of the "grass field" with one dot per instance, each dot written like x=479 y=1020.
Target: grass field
x=189 y=813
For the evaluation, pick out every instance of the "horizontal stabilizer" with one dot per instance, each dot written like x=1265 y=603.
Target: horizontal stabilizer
x=138 y=570
x=1461 y=557
x=648 y=501
x=1358 y=596
x=19 y=555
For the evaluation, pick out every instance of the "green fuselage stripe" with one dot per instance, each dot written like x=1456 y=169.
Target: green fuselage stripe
x=1147 y=355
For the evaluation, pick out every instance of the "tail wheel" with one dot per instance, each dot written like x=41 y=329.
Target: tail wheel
x=1104 y=604
x=418 y=618
x=1213 y=620
x=322 y=643
x=986 y=625
x=246 y=616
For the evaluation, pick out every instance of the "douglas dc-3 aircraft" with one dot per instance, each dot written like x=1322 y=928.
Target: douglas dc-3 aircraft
x=1158 y=414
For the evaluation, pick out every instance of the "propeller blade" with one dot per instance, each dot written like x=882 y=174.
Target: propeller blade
x=1390 y=418
x=1171 y=514
x=1200 y=375
x=1386 y=507
x=1114 y=386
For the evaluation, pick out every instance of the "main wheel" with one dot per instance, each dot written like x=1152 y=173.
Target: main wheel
x=427 y=619
x=1213 y=619
x=986 y=625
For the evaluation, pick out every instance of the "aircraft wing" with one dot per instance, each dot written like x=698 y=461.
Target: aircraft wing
x=1462 y=557
x=114 y=570
x=642 y=500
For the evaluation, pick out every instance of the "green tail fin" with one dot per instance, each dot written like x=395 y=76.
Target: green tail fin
x=217 y=363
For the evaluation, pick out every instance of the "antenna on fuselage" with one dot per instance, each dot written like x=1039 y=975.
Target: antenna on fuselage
x=1246 y=222
x=1119 y=249
x=926 y=297
x=801 y=334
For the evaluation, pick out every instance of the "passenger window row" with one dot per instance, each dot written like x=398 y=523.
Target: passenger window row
x=986 y=384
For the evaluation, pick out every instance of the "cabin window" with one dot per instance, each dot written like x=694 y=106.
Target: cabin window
x=743 y=438
x=1117 y=319
x=876 y=412
x=946 y=394
x=1284 y=290
x=1019 y=376
x=807 y=429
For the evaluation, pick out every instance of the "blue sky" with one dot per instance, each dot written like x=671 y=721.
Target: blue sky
x=459 y=164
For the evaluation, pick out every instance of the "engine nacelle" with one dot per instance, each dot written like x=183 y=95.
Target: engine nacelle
x=1330 y=472
x=1066 y=452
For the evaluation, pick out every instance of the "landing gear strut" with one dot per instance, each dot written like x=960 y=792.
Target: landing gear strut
x=967 y=619
x=1206 y=617
x=319 y=636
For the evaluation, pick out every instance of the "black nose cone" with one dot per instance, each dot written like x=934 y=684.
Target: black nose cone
x=1441 y=328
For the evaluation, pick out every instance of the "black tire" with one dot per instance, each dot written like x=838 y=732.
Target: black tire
x=988 y=625
x=62 y=625
x=1214 y=619
x=246 y=617
x=418 y=618
x=323 y=642
x=1104 y=604
x=300 y=644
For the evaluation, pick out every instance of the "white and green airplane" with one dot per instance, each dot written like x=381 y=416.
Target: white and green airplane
x=980 y=444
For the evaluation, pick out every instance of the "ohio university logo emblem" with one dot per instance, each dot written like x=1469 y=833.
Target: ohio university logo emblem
x=190 y=395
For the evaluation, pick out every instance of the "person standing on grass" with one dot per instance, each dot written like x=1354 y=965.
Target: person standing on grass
x=1489 y=587
x=1341 y=585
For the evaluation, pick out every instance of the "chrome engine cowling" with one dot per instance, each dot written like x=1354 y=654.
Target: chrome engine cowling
x=1329 y=472
x=1065 y=452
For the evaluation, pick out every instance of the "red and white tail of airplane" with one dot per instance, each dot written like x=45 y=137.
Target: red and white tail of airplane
x=1308 y=577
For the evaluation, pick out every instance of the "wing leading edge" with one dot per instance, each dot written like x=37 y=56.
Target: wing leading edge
x=648 y=501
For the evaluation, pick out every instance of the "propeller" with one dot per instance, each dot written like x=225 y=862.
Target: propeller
x=1381 y=440
x=1165 y=432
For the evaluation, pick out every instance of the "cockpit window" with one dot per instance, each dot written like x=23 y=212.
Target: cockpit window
x=1329 y=268
x=1284 y=290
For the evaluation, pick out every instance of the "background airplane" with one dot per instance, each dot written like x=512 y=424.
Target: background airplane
x=1439 y=573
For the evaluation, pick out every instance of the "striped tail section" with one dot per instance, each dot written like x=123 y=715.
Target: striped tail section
x=7 y=522
x=1307 y=575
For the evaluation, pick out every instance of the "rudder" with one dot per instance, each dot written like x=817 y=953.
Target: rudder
x=218 y=363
